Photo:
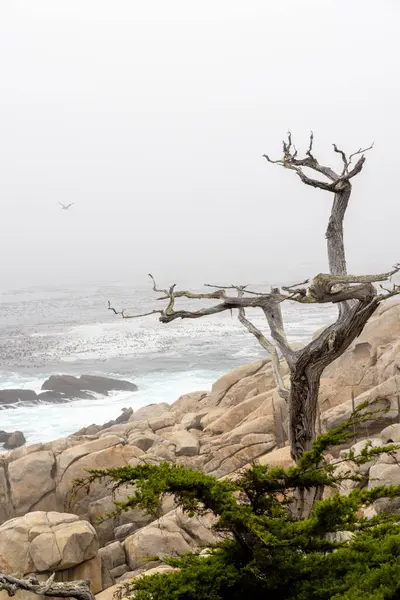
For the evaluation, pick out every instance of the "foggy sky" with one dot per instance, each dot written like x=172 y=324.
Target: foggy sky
x=153 y=117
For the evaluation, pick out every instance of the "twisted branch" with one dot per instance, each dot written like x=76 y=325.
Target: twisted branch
x=71 y=589
x=269 y=346
x=290 y=161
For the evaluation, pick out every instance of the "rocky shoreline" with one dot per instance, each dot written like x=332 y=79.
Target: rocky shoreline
x=242 y=420
x=59 y=389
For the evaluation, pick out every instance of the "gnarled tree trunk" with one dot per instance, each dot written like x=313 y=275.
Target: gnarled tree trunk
x=355 y=296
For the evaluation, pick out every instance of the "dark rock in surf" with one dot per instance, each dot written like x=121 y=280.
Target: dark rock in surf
x=15 y=440
x=58 y=397
x=4 y=436
x=13 y=396
x=96 y=383
x=78 y=387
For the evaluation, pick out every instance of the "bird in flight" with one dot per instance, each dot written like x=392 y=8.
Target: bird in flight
x=66 y=206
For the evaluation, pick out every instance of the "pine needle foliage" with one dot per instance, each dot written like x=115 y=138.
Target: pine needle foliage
x=265 y=551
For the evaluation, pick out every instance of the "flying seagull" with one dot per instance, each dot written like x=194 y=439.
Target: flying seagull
x=66 y=206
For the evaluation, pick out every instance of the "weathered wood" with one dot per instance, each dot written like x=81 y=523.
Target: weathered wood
x=356 y=297
x=54 y=589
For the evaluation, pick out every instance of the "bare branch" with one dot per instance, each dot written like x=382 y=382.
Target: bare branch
x=337 y=288
x=290 y=161
x=310 y=144
x=360 y=151
x=344 y=158
x=236 y=287
x=265 y=343
x=187 y=314
x=124 y=316
x=71 y=589
x=156 y=289
x=217 y=295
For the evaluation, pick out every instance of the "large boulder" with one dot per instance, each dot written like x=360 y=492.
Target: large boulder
x=14 y=396
x=190 y=403
x=14 y=440
x=231 y=417
x=372 y=359
x=186 y=444
x=150 y=411
x=41 y=542
x=112 y=555
x=31 y=480
x=382 y=397
x=162 y=421
x=6 y=509
x=224 y=460
x=113 y=455
x=80 y=387
x=279 y=457
x=173 y=535
x=226 y=382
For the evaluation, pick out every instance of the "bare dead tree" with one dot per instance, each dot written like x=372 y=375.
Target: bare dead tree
x=356 y=297
x=70 y=589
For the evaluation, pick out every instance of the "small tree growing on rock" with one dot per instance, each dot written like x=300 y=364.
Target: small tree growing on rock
x=356 y=297
x=267 y=553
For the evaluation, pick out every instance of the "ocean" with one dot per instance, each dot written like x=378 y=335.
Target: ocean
x=69 y=330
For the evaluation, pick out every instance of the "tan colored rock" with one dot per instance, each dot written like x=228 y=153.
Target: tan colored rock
x=31 y=479
x=391 y=434
x=380 y=397
x=119 y=571
x=162 y=421
x=143 y=440
x=114 y=456
x=150 y=411
x=189 y=403
x=382 y=474
x=264 y=425
x=256 y=384
x=226 y=382
x=42 y=541
x=211 y=416
x=122 y=430
x=73 y=454
x=279 y=457
x=357 y=450
x=192 y=420
x=112 y=555
x=6 y=510
x=367 y=363
x=65 y=545
x=110 y=592
x=223 y=460
x=272 y=405
x=185 y=443
x=233 y=416
x=172 y=535
x=90 y=569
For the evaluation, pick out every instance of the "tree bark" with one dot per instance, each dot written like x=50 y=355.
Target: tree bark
x=80 y=590
x=334 y=231
x=308 y=365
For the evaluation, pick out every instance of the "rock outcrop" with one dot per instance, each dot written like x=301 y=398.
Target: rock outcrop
x=242 y=420
x=74 y=387
x=13 y=440
x=64 y=388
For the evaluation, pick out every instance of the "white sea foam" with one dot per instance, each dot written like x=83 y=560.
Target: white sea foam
x=70 y=331
x=46 y=422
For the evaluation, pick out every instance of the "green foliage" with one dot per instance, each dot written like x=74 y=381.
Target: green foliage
x=266 y=552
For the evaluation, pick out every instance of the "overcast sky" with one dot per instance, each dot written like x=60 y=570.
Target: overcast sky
x=153 y=117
